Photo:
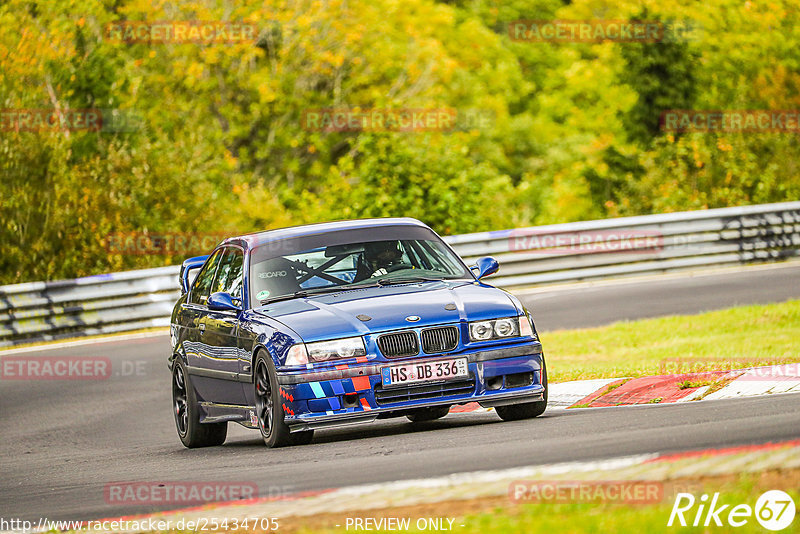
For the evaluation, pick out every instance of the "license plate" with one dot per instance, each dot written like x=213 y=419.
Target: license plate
x=435 y=371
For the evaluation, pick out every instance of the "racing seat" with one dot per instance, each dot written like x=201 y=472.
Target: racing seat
x=363 y=271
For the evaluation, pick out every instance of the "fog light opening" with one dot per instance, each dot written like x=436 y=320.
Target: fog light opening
x=495 y=382
x=350 y=400
x=519 y=380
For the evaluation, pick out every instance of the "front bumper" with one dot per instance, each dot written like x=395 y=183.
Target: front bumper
x=354 y=394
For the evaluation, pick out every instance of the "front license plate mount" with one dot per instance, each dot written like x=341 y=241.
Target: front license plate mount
x=424 y=372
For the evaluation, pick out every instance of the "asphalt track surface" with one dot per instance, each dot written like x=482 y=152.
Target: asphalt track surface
x=603 y=303
x=64 y=441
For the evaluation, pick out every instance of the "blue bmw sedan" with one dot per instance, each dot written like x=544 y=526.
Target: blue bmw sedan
x=318 y=326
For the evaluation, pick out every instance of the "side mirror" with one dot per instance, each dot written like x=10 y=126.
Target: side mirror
x=222 y=302
x=190 y=265
x=486 y=266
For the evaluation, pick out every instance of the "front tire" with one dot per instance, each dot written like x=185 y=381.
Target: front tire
x=528 y=410
x=269 y=409
x=428 y=414
x=192 y=432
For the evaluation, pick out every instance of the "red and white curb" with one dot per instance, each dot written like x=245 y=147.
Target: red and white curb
x=674 y=388
x=573 y=392
x=666 y=389
x=762 y=381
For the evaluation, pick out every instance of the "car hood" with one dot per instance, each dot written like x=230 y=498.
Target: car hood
x=377 y=309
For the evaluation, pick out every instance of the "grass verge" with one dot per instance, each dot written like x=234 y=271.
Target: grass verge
x=500 y=516
x=720 y=340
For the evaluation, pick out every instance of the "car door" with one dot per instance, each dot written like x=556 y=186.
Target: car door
x=193 y=313
x=219 y=335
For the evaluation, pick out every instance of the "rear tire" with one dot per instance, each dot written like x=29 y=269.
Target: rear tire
x=428 y=414
x=192 y=432
x=528 y=410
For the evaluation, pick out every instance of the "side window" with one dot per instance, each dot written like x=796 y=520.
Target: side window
x=229 y=274
x=236 y=275
x=202 y=284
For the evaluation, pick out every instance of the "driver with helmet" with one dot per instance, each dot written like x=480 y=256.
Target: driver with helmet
x=379 y=258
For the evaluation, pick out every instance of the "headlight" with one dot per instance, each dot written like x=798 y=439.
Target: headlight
x=499 y=328
x=481 y=331
x=349 y=347
x=505 y=327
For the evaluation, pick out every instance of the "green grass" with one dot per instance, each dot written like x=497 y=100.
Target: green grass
x=719 y=340
x=607 y=518
x=691 y=384
x=610 y=517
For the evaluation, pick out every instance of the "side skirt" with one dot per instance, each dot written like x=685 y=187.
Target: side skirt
x=212 y=412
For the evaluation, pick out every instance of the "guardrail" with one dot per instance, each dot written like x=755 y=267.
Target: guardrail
x=647 y=244
x=569 y=252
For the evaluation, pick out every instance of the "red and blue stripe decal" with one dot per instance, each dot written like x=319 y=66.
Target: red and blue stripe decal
x=332 y=389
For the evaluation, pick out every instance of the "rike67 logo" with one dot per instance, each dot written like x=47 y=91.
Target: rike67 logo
x=774 y=510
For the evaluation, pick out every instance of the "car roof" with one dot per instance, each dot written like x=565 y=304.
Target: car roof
x=258 y=238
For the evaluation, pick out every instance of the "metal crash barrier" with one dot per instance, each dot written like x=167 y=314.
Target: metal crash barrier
x=558 y=253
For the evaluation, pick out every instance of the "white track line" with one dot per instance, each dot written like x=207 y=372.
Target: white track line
x=697 y=273
x=81 y=342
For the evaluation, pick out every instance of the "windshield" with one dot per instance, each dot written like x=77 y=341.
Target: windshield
x=348 y=259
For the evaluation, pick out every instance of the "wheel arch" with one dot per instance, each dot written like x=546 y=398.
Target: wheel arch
x=258 y=350
x=178 y=355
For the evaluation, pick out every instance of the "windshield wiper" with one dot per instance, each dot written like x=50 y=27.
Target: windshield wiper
x=407 y=280
x=314 y=291
x=335 y=289
x=288 y=296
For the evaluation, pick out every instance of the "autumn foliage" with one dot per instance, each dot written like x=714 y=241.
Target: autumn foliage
x=207 y=130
